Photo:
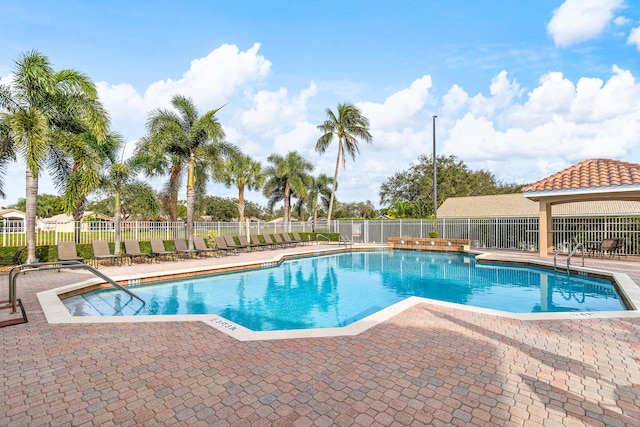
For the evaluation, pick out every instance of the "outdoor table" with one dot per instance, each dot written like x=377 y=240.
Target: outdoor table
x=592 y=246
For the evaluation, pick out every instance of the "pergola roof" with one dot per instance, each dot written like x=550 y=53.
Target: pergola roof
x=592 y=179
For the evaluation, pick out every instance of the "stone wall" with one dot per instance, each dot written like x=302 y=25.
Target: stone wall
x=428 y=244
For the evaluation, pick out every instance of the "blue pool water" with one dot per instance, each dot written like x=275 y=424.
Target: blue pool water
x=336 y=290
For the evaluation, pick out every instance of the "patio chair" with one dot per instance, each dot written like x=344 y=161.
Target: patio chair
x=255 y=239
x=287 y=239
x=201 y=246
x=15 y=259
x=158 y=250
x=221 y=244
x=296 y=237
x=232 y=244
x=101 y=252
x=246 y=243
x=67 y=252
x=620 y=249
x=132 y=251
x=278 y=239
x=182 y=249
x=608 y=246
x=268 y=240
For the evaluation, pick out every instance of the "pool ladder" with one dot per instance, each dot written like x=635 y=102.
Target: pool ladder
x=42 y=266
x=575 y=249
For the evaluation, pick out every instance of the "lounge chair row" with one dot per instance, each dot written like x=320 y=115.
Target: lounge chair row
x=223 y=245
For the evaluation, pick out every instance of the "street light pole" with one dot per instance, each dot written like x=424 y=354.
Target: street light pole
x=435 y=176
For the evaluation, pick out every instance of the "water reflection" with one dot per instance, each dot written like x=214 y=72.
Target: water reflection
x=335 y=290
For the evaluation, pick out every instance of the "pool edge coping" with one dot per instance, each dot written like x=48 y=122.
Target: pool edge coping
x=56 y=312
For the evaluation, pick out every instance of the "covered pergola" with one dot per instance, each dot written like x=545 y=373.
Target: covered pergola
x=590 y=180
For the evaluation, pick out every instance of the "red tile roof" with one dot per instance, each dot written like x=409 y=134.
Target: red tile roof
x=589 y=174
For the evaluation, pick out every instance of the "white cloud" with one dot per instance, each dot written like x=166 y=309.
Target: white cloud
x=454 y=100
x=208 y=81
x=400 y=108
x=576 y=21
x=274 y=111
x=559 y=122
x=621 y=21
x=302 y=138
x=634 y=37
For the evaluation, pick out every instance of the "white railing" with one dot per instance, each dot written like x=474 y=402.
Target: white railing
x=503 y=233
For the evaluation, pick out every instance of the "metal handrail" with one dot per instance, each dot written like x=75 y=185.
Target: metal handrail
x=322 y=235
x=345 y=240
x=572 y=253
x=43 y=266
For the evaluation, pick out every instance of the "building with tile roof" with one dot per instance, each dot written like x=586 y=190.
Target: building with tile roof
x=590 y=180
x=518 y=206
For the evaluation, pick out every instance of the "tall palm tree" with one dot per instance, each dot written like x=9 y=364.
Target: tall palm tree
x=243 y=172
x=120 y=178
x=183 y=140
x=287 y=177
x=348 y=126
x=319 y=192
x=77 y=174
x=42 y=111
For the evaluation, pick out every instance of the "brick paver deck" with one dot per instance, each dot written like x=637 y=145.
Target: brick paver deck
x=430 y=365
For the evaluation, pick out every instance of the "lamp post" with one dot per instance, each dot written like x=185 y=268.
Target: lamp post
x=435 y=176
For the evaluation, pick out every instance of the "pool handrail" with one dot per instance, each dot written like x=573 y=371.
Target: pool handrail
x=322 y=235
x=57 y=265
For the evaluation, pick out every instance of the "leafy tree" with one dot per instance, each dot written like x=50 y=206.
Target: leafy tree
x=287 y=177
x=137 y=200
x=415 y=184
x=348 y=126
x=179 y=141
x=319 y=195
x=220 y=208
x=78 y=173
x=364 y=210
x=47 y=205
x=242 y=172
x=43 y=112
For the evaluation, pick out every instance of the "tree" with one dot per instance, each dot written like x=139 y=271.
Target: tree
x=415 y=184
x=287 y=177
x=42 y=112
x=243 y=172
x=122 y=179
x=78 y=173
x=179 y=141
x=319 y=193
x=348 y=126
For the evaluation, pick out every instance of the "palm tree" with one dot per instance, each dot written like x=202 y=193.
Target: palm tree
x=349 y=126
x=120 y=179
x=243 y=172
x=78 y=173
x=179 y=141
x=42 y=113
x=319 y=192
x=287 y=177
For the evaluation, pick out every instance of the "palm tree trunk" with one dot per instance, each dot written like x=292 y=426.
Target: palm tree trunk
x=191 y=197
x=116 y=224
x=78 y=213
x=172 y=196
x=31 y=202
x=241 y=203
x=335 y=183
x=287 y=203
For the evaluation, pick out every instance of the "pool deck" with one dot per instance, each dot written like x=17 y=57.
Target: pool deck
x=431 y=364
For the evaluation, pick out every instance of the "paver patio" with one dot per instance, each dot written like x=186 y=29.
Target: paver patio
x=429 y=365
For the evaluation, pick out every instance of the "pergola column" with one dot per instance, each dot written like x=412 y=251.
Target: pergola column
x=545 y=229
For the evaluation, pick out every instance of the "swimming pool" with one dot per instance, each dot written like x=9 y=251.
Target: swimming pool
x=327 y=291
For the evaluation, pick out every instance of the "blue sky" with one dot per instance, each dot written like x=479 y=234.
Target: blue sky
x=522 y=89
